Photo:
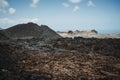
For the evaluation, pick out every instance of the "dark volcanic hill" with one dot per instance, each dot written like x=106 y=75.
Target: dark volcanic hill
x=31 y=30
x=3 y=36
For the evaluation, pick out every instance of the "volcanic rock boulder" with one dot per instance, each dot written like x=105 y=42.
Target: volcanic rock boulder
x=31 y=30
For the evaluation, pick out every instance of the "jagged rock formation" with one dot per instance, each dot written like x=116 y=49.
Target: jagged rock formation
x=31 y=30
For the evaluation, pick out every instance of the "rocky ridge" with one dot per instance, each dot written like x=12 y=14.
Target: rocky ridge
x=30 y=30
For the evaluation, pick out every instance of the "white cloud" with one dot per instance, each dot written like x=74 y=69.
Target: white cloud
x=66 y=5
x=75 y=1
x=12 y=10
x=3 y=4
x=35 y=20
x=76 y=8
x=34 y=3
x=6 y=21
x=91 y=4
x=25 y=20
x=14 y=21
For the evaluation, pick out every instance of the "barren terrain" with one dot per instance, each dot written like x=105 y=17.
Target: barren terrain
x=38 y=60
x=39 y=53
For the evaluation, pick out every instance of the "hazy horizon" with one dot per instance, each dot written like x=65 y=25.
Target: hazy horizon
x=63 y=15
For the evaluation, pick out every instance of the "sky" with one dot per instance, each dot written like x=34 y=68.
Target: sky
x=63 y=15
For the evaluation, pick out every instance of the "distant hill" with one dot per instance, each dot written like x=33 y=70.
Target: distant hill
x=31 y=30
x=87 y=34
